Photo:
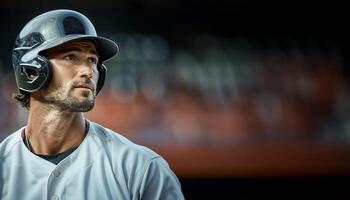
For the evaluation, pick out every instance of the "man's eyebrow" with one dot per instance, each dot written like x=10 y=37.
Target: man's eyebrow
x=68 y=49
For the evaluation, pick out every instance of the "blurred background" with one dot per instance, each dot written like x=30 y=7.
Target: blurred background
x=244 y=99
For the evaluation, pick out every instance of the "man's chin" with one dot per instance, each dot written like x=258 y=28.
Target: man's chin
x=82 y=107
x=81 y=104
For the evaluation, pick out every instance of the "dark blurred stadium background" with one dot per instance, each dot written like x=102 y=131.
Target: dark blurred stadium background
x=243 y=98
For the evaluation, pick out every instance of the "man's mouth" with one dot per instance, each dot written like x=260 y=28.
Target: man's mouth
x=84 y=86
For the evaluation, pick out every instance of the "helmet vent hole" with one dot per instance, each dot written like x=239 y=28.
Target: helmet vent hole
x=30 y=73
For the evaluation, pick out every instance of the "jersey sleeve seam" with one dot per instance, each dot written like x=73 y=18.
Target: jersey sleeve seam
x=144 y=170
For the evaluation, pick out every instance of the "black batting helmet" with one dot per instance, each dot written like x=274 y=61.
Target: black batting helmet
x=49 y=30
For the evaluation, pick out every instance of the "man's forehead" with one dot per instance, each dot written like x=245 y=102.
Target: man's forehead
x=76 y=45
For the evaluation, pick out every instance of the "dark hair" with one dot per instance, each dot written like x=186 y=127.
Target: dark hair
x=23 y=98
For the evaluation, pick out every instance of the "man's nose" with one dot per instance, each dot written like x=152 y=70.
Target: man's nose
x=86 y=70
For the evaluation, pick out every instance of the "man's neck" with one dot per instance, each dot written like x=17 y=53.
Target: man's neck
x=51 y=131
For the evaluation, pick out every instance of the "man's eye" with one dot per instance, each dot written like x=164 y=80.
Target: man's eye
x=93 y=60
x=70 y=58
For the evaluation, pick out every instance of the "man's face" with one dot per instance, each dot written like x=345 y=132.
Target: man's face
x=74 y=76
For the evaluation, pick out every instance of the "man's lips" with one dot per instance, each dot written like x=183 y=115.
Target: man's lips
x=86 y=86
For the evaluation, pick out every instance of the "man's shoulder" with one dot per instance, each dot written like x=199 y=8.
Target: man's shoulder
x=121 y=145
x=9 y=142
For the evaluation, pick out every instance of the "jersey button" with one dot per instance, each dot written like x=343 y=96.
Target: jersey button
x=54 y=197
x=56 y=173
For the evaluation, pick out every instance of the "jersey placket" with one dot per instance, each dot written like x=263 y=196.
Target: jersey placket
x=53 y=184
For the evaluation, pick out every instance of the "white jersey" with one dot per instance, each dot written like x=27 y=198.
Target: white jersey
x=106 y=165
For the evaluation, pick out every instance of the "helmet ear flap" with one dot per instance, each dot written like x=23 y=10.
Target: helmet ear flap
x=47 y=69
x=34 y=74
x=102 y=70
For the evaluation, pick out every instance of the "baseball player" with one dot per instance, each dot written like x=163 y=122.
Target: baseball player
x=58 y=63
